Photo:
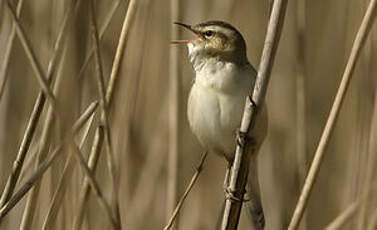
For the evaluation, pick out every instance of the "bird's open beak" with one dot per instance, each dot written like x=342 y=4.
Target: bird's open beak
x=188 y=27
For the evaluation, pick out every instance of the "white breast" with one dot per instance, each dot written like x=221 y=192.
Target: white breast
x=216 y=102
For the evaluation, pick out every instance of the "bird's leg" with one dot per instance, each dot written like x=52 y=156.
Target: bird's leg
x=242 y=137
x=229 y=193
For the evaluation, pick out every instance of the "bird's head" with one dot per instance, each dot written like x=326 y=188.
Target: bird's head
x=215 y=39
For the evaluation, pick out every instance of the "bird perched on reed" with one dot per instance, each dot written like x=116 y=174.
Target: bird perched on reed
x=223 y=79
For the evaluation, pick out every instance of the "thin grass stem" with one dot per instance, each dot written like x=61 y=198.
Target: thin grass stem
x=85 y=188
x=245 y=148
x=8 y=51
x=334 y=112
x=188 y=189
x=63 y=182
x=45 y=164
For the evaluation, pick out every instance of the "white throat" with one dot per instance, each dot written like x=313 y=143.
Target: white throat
x=197 y=59
x=223 y=76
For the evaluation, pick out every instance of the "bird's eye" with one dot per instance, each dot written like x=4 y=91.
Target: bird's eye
x=208 y=33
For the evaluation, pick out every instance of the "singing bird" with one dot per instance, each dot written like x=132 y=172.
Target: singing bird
x=223 y=79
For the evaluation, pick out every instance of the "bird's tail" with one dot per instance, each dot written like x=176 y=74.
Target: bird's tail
x=254 y=205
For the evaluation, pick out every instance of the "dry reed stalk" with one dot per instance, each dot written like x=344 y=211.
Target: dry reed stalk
x=36 y=66
x=64 y=182
x=104 y=107
x=270 y=5
x=95 y=186
x=70 y=162
x=44 y=146
x=58 y=44
x=341 y=219
x=155 y=161
x=9 y=46
x=43 y=150
x=188 y=189
x=38 y=107
x=362 y=121
x=244 y=149
x=34 y=116
x=102 y=31
x=314 y=168
x=128 y=19
x=98 y=64
x=46 y=163
x=23 y=149
x=44 y=85
x=88 y=56
x=173 y=147
x=29 y=161
x=85 y=188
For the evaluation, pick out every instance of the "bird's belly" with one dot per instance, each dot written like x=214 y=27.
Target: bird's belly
x=214 y=118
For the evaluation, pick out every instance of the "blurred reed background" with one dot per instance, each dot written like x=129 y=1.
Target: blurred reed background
x=142 y=126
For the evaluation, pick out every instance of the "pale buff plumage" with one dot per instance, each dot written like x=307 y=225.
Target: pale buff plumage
x=216 y=102
x=223 y=79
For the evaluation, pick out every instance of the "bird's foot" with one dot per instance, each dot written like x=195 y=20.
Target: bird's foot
x=241 y=138
x=230 y=194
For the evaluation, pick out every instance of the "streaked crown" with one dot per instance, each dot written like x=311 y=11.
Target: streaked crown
x=218 y=39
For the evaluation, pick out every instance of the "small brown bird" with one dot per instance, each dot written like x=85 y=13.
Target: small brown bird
x=223 y=79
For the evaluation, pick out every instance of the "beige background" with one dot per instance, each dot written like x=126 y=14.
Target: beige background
x=140 y=115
